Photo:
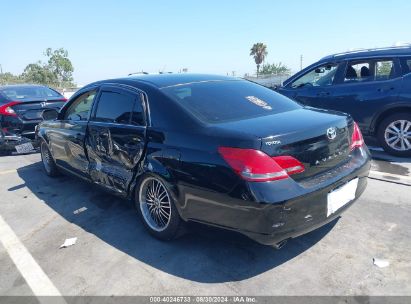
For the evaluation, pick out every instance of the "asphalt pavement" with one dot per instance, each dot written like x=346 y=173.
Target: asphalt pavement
x=114 y=255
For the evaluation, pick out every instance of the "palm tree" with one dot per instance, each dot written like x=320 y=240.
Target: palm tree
x=259 y=51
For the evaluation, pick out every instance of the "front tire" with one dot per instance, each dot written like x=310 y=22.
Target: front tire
x=157 y=209
x=394 y=134
x=49 y=165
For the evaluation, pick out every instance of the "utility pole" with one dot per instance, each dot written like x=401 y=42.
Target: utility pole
x=301 y=62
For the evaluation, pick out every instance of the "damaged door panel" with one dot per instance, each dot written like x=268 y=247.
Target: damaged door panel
x=116 y=138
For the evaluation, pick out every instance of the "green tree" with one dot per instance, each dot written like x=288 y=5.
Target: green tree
x=57 y=72
x=9 y=78
x=259 y=52
x=60 y=65
x=275 y=68
x=39 y=73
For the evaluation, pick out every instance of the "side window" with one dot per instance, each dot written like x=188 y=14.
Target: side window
x=405 y=65
x=118 y=108
x=369 y=70
x=80 y=108
x=138 y=117
x=384 y=70
x=320 y=76
x=357 y=71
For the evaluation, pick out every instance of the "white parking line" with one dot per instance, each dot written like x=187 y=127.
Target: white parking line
x=396 y=176
x=35 y=277
x=7 y=171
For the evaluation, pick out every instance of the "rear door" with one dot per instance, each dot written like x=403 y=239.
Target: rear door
x=367 y=86
x=116 y=137
x=67 y=141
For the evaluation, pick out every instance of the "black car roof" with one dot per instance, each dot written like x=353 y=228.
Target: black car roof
x=388 y=51
x=168 y=80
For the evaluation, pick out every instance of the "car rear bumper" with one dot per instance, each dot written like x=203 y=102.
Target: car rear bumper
x=302 y=215
x=16 y=126
x=14 y=131
x=275 y=211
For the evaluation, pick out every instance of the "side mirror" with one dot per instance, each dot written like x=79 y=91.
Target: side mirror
x=49 y=114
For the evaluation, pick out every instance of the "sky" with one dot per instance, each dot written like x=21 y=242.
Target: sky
x=108 y=39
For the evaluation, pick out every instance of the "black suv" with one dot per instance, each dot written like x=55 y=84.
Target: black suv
x=374 y=86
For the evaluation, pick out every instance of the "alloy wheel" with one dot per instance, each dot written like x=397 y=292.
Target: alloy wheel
x=397 y=135
x=46 y=158
x=155 y=204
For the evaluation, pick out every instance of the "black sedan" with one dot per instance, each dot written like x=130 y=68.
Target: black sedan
x=217 y=150
x=21 y=107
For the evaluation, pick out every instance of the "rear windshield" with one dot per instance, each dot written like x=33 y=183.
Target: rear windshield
x=221 y=101
x=29 y=93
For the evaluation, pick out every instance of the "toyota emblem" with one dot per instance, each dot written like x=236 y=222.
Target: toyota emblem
x=331 y=133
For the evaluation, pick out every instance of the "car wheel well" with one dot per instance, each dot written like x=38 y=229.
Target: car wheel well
x=388 y=113
x=155 y=170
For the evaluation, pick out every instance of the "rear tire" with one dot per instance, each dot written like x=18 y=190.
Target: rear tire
x=394 y=134
x=49 y=165
x=157 y=209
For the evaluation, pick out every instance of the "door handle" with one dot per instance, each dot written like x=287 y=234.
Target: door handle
x=133 y=145
x=323 y=94
x=385 y=89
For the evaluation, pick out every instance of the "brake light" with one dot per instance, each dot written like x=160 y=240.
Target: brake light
x=7 y=109
x=357 y=140
x=255 y=165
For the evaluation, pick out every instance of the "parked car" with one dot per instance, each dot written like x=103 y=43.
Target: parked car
x=20 y=111
x=373 y=86
x=217 y=150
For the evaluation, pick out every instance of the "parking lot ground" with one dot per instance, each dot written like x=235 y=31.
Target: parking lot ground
x=114 y=255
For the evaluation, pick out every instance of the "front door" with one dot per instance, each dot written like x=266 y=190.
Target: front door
x=67 y=141
x=314 y=88
x=116 y=137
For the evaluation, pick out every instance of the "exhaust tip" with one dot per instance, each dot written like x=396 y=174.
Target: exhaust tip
x=280 y=245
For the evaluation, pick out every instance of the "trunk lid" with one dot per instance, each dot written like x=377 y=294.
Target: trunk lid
x=31 y=110
x=302 y=134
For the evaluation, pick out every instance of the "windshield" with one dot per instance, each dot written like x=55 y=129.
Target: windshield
x=29 y=93
x=220 y=101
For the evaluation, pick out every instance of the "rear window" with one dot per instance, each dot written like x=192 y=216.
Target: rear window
x=28 y=93
x=220 y=101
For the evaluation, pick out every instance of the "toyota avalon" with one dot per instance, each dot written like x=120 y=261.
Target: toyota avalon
x=216 y=150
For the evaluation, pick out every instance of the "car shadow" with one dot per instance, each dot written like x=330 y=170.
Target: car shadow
x=207 y=255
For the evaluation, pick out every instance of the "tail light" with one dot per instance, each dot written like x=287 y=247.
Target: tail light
x=357 y=140
x=7 y=109
x=255 y=165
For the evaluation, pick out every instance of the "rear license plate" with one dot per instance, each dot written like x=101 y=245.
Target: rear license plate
x=341 y=196
x=24 y=148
